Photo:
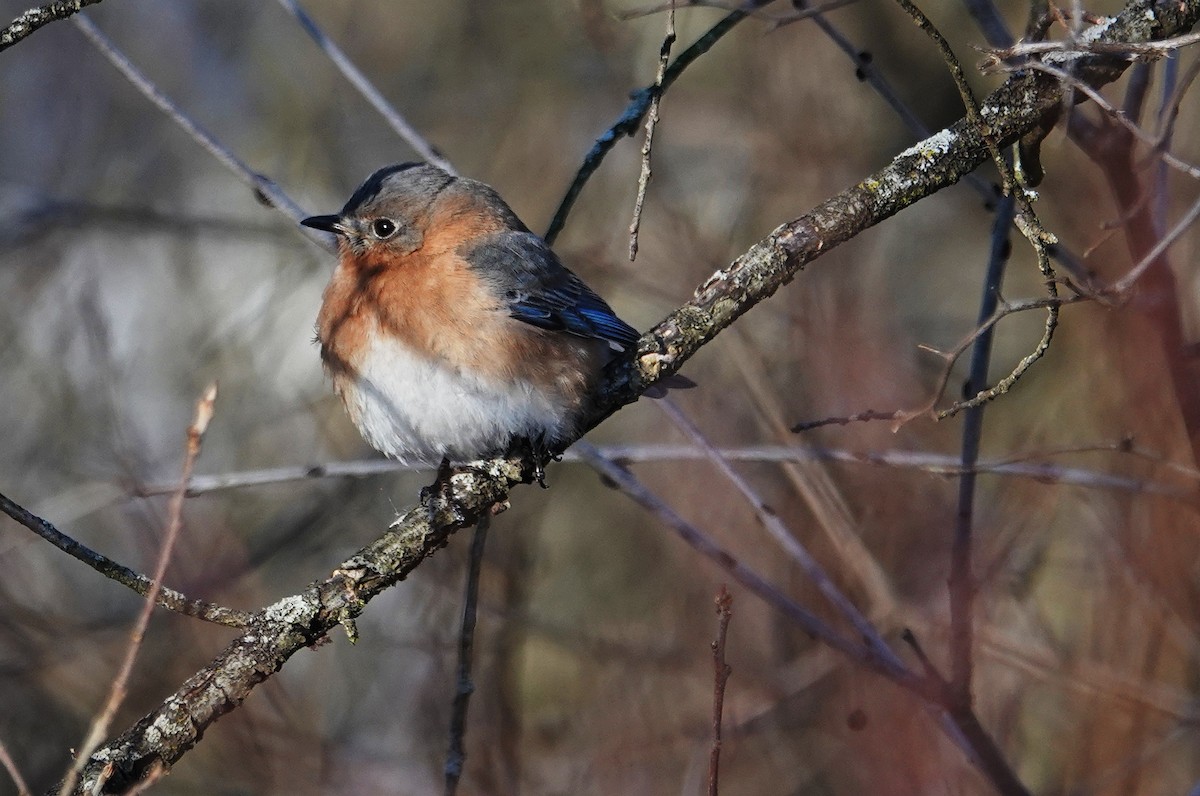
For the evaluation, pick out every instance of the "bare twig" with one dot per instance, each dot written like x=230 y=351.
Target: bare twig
x=783 y=536
x=721 y=672
x=14 y=772
x=1118 y=115
x=35 y=18
x=167 y=598
x=1027 y=221
x=1010 y=465
x=116 y=695
x=463 y=687
x=366 y=88
x=865 y=415
x=902 y=416
x=631 y=117
x=752 y=9
x=751 y=580
x=1077 y=46
x=664 y=57
x=1125 y=284
x=264 y=188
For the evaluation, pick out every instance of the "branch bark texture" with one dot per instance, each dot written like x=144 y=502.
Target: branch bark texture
x=281 y=630
x=35 y=18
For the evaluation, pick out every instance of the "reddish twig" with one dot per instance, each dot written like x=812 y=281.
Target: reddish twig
x=721 y=672
x=116 y=695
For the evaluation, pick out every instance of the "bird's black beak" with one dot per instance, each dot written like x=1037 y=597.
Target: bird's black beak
x=326 y=224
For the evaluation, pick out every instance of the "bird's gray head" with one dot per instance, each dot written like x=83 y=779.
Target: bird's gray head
x=389 y=210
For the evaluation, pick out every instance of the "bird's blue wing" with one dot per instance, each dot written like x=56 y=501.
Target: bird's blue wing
x=541 y=291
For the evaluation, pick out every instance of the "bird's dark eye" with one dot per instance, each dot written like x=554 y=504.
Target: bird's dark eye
x=383 y=228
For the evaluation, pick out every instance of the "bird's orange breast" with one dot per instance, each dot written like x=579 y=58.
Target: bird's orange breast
x=437 y=306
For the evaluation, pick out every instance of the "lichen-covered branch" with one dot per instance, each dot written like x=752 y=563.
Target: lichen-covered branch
x=35 y=18
x=280 y=631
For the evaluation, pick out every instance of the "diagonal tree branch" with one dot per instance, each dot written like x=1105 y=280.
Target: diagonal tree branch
x=295 y=622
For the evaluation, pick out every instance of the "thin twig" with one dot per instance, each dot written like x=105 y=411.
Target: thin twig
x=1157 y=142
x=751 y=580
x=1027 y=221
x=721 y=672
x=751 y=9
x=265 y=189
x=35 y=18
x=784 y=537
x=167 y=598
x=664 y=57
x=902 y=416
x=14 y=772
x=366 y=88
x=456 y=754
x=631 y=117
x=936 y=464
x=1077 y=46
x=116 y=694
x=864 y=416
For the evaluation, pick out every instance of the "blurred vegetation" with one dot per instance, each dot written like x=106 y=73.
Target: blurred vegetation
x=134 y=270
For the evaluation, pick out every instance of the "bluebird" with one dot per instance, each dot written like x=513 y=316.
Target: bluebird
x=450 y=330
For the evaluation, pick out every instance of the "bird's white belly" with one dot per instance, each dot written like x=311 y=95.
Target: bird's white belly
x=419 y=410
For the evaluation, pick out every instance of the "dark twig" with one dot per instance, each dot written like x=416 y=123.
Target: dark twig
x=664 y=57
x=456 y=754
x=639 y=105
x=1135 y=91
x=166 y=598
x=988 y=18
x=721 y=672
x=751 y=9
x=366 y=88
x=116 y=694
x=35 y=18
x=845 y=420
x=962 y=579
x=1159 y=197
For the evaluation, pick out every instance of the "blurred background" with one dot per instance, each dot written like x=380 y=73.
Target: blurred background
x=134 y=270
